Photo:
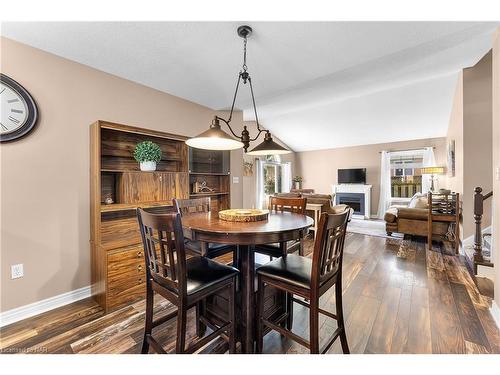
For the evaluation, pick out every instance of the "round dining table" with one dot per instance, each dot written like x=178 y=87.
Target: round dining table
x=279 y=227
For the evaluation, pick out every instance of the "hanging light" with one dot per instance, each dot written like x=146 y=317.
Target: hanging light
x=269 y=147
x=216 y=139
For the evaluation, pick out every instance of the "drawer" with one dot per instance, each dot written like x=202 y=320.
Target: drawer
x=119 y=285
x=121 y=297
x=125 y=262
x=119 y=233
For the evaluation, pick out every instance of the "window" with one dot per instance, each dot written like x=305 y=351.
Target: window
x=406 y=179
x=275 y=178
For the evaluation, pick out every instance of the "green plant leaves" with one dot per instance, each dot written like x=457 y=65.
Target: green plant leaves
x=147 y=151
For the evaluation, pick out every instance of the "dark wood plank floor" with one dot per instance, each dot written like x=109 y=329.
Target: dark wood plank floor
x=398 y=298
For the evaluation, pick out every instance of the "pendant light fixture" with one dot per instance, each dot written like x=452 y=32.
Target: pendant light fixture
x=216 y=139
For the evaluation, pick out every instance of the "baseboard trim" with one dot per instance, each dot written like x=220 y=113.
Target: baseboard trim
x=27 y=311
x=495 y=313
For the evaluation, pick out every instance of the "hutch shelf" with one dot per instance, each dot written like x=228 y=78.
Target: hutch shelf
x=117 y=259
x=211 y=169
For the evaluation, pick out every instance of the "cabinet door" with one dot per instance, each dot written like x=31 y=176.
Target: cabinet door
x=173 y=185
x=136 y=187
x=208 y=161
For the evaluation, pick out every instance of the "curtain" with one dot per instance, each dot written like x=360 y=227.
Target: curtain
x=385 y=183
x=286 y=177
x=428 y=161
x=259 y=183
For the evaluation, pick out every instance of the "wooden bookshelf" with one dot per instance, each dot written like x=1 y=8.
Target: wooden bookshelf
x=117 y=259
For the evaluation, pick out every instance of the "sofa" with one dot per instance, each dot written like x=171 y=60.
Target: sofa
x=412 y=219
x=325 y=199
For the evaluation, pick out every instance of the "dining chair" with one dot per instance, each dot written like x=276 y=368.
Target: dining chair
x=210 y=250
x=282 y=204
x=309 y=279
x=186 y=283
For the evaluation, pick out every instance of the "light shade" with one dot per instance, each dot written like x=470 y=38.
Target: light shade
x=214 y=139
x=432 y=170
x=269 y=147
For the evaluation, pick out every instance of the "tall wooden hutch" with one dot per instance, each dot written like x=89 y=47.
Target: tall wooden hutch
x=117 y=258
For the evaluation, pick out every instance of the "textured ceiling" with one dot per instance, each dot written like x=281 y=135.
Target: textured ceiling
x=317 y=85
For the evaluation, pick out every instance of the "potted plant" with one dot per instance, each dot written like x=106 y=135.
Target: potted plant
x=147 y=153
x=297 y=181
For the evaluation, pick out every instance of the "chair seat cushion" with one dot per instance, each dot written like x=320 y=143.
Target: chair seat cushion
x=195 y=246
x=293 y=269
x=273 y=249
x=203 y=273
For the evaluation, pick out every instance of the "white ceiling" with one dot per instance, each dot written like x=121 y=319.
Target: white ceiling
x=317 y=84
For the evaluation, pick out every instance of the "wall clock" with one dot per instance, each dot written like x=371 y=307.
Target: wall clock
x=19 y=112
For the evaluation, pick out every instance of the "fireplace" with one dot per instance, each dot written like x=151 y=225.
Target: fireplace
x=354 y=200
x=357 y=196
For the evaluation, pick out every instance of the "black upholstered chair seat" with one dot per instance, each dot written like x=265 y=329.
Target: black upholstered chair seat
x=203 y=273
x=274 y=249
x=213 y=249
x=293 y=269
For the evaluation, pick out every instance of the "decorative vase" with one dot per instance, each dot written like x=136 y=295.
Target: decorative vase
x=148 y=166
x=297 y=185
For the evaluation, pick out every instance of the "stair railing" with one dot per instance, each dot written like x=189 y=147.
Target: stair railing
x=479 y=199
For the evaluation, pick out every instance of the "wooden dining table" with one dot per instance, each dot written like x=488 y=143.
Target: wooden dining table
x=279 y=227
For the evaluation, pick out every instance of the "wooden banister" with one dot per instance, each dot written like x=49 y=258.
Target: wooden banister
x=479 y=199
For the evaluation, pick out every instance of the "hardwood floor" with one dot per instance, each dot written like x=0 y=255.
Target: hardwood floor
x=398 y=298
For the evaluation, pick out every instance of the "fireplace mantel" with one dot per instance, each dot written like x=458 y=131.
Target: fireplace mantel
x=359 y=189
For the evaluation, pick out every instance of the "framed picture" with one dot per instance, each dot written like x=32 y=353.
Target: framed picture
x=451 y=157
x=247 y=169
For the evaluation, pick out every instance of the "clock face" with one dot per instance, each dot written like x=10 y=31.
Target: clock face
x=14 y=110
x=18 y=110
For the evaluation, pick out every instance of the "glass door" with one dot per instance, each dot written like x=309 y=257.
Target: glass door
x=275 y=178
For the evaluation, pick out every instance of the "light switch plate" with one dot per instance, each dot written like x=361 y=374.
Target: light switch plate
x=236 y=180
x=16 y=271
x=497 y=173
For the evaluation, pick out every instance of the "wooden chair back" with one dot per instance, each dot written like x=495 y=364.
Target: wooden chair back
x=281 y=204
x=164 y=253
x=191 y=206
x=329 y=246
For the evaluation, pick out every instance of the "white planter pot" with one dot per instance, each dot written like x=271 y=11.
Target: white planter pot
x=148 y=166
x=297 y=185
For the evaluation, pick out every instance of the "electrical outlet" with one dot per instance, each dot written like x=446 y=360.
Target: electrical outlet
x=16 y=271
x=236 y=180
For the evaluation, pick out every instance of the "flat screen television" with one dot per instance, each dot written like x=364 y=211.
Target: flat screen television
x=351 y=176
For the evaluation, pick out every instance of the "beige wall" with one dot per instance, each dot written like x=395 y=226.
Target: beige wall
x=496 y=165
x=471 y=127
x=477 y=112
x=319 y=168
x=456 y=133
x=45 y=176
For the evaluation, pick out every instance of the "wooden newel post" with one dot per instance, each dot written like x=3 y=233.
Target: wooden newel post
x=478 y=215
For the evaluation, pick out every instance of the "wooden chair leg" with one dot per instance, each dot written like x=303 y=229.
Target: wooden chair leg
x=314 y=325
x=181 y=330
x=232 y=317
x=200 y=311
x=260 y=316
x=149 y=319
x=340 y=316
x=289 y=310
